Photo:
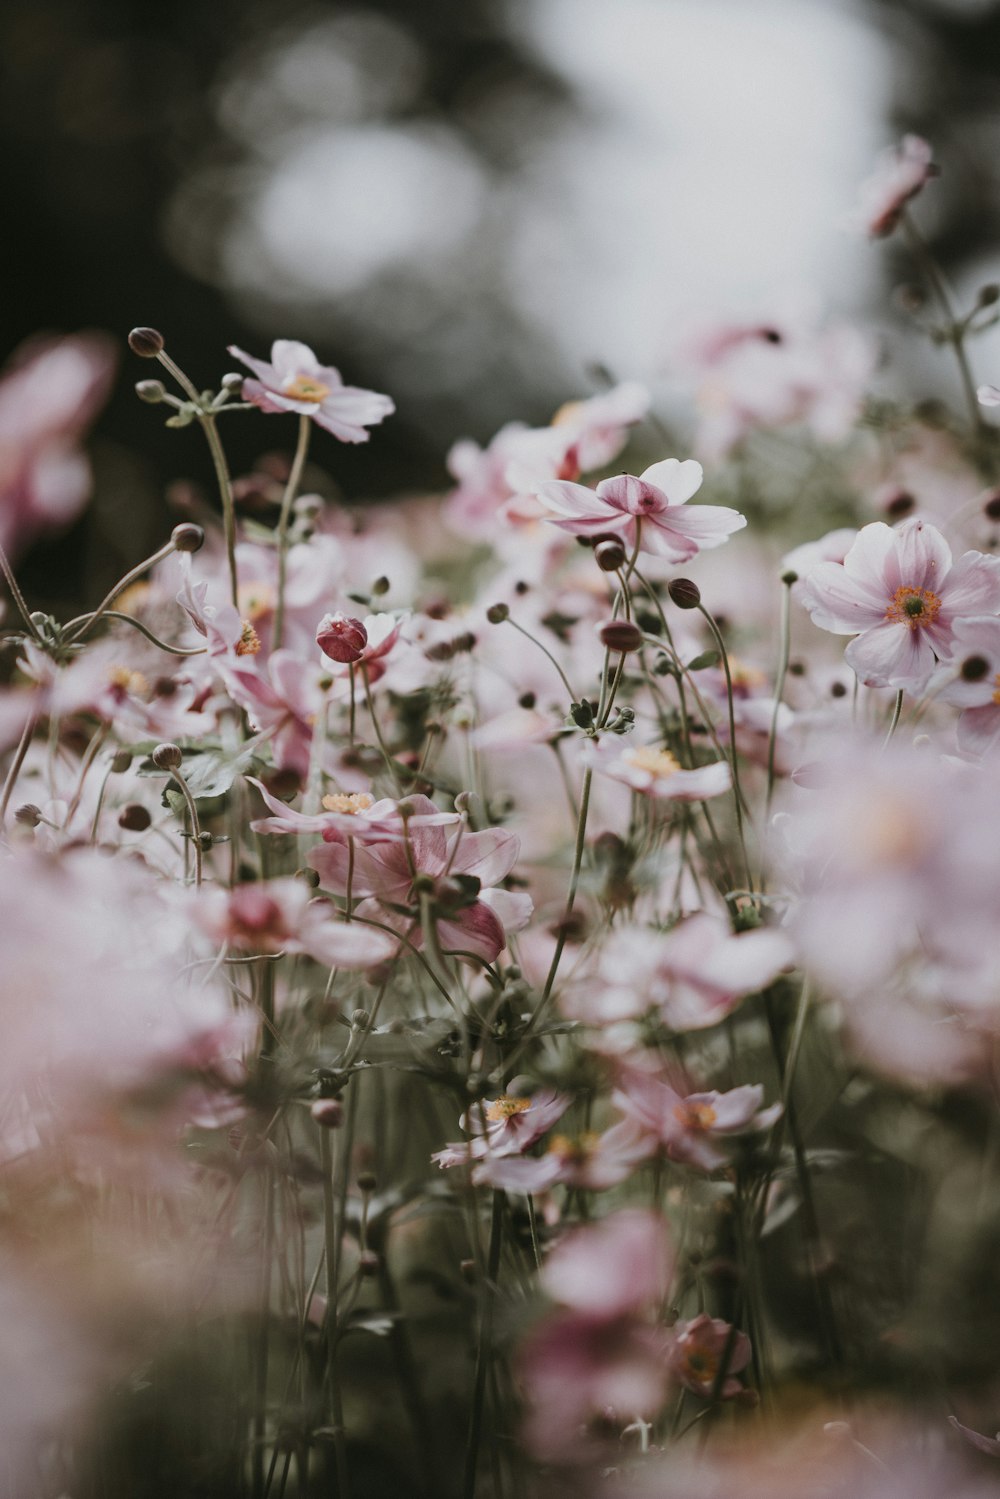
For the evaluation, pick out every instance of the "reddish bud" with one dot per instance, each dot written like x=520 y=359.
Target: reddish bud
x=341 y=638
x=145 y=342
x=620 y=635
x=684 y=593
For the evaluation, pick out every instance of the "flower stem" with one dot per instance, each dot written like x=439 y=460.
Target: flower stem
x=484 y=1352
x=291 y=490
x=733 y=760
x=779 y=687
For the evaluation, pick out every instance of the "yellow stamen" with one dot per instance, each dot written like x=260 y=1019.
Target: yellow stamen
x=696 y=1115
x=128 y=680
x=504 y=1106
x=996 y=689
x=306 y=388
x=577 y=1148
x=249 y=641
x=350 y=803
x=659 y=763
x=913 y=607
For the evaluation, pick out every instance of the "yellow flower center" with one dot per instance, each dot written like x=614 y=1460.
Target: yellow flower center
x=249 y=641
x=255 y=600
x=504 y=1106
x=695 y=1115
x=306 y=388
x=659 y=763
x=128 y=680
x=575 y=1149
x=351 y=802
x=701 y=1365
x=913 y=607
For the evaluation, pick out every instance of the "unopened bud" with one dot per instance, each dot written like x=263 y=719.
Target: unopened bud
x=308 y=877
x=620 y=635
x=134 y=818
x=898 y=502
x=341 y=638
x=366 y=1181
x=497 y=613
x=167 y=757
x=609 y=554
x=789 y=577
x=145 y=342
x=684 y=593
x=327 y=1112
x=28 y=815
x=988 y=294
x=121 y=762
x=360 y=1019
x=151 y=391
x=233 y=381
x=380 y=586
x=187 y=537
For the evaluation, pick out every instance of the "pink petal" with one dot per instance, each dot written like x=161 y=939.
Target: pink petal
x=891 y=655
x=678 y=481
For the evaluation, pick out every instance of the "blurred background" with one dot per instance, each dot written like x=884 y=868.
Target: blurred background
x=469 y=204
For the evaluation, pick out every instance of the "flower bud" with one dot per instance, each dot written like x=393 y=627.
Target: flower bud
x=341 y=638
x=620 y=635
x=121 y=762
x=789 y=577
x=609 y=553
x=134 y=818
x=991 y=507
x=28 y=815
x=366 y=1181
x=380 y=586
x=187 y=537
x=151 y=391
x=897 y=502
x=684 y=593
x=368 y=1263
x=145 y=342
x=167 y=757
x=327 y=1112
x=497 y=613
x=233 y=381
x=360 y=1019
x=988 y=294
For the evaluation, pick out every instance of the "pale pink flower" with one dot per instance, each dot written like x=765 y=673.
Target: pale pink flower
x=284 y=704
x=296 y=381
x=590 y=1161
x=621 y=1265
x=353 y=814
x=655 y=772
x=698 y=1351
x=650 y=508
x=694 y=1129
x=49 y=396
x=901 y=172
x=976 y=686
x=276 y=916
x=219 y=625
x=471 y=915
x=505 y=1126
x=898 y=592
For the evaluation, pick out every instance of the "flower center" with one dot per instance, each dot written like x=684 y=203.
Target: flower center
x=695 y=1115
x=255 y=600
x=913 y=607
x=249 y=641
x=574 y=1149
x=306 y=388
x=504 y=1107
x=350 y=803
x=996 y=689
x=659 y=763
x=124 y=679
x=701 y=1365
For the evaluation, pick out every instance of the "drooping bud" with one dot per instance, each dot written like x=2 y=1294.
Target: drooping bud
x=497 y=613
x=609 y=553
x=233 y=381
x=28 y=815
x=167 y=757
x=146 y=342
x=341 y=638
x=327 y=1112
x=151 y=391
x=134 y=818
x=121 y=762
x=684 y=593
x=187 y=537
x=988 y=294
x=620 y=635
x=366 y=1181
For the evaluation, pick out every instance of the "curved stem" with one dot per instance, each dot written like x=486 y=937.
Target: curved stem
x=174 y=650
x=15 y=766
x=17 y=595
x=85 y=622
x=897 y=709
x=956 y=328
x=291 y=490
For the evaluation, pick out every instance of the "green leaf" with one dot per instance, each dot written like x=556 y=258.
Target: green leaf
x=707 y=658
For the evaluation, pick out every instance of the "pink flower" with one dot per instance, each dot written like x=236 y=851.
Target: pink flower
x=590 y=1162
x=296 y=381
x=364 y=644
x=899 y=593
x=49 y=396
x=505 y=1126
x=354 y=814
x=900 y=174
x=651 y=508
x=976 y=687
x=283 y=705
x=464 y=868
x=279 y=916
x=697 y=1353
x=655 y=772
x=691 y=1129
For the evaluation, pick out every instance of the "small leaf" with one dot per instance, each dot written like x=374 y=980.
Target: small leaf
x=707 y=658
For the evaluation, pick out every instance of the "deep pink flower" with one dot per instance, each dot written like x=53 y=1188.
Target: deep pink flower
x=901 y=172
x=280 y=916
x=364 y=644
x=296 y=381
x=341 y=638
x=697 y=1353
x=284 y=704
x=656 y=499
x=900 y=594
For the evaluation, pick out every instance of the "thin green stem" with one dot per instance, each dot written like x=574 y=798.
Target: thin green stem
x=955 y=325
x=733 y=758
x=291 y=490
x=485 y=1349
x=897 y=709
x=85 y=622
x=546 y=652
x=17 y=595
x=784 y=651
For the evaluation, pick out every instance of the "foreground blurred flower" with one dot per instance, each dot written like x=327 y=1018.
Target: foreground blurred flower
x=655 y=772
x=296 y=381
x=655 y=501
x=278 y=916
x=48 y=398
x=899 y=593
x=901 y=172
x=700 y=1348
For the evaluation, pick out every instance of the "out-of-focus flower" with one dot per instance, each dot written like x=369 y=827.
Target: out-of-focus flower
x=650 y=509
x=902 y=171
x=283 y=705
x=461 y=868
x=698 y=1351
x=296 y=381
x=48 y=398
x=590 y=1161
x=898 y=592
x=655 y=772
x=351 y=814
x=693 y=1129
x=278 y=916
x=975 y=688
